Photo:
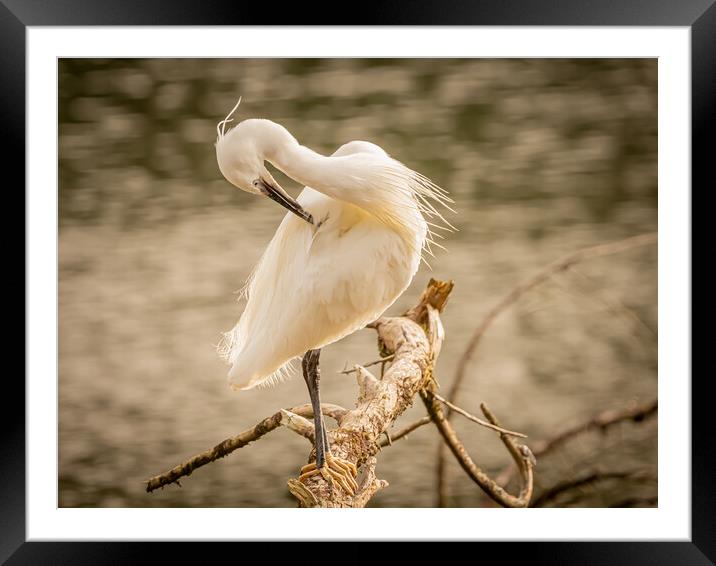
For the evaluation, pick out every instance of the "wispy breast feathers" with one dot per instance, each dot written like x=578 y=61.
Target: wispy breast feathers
x=405 y=188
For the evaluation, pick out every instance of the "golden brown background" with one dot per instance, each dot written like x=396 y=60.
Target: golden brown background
x=542 y=156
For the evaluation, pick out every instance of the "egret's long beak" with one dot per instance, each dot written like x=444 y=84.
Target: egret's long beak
x=276 y=193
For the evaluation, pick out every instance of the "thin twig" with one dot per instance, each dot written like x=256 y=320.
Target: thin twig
x=235 y=442
x=590 y=479
x=540 y=277
x=404 y=432
x=373 y=363
x=614 y=304
x=520 y=453
x=477 y=420
x=508 y=300
x=601 y=422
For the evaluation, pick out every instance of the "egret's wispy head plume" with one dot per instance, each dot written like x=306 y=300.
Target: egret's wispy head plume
x=221 y=126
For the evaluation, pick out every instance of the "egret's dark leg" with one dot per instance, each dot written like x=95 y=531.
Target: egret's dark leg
x=332 y=469
x=325 y=438
x=312 y=375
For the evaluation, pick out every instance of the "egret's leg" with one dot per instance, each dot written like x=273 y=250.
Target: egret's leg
x=312 y=375
x=330 y=467
x=325 y=438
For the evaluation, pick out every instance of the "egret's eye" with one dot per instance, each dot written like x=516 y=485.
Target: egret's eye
x=257 y=183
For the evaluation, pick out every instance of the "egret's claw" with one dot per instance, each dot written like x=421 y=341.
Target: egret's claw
x=335 y=471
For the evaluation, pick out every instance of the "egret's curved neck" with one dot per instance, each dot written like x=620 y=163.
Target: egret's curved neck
x=303 y=165
x=368 y=181
x=300 y=163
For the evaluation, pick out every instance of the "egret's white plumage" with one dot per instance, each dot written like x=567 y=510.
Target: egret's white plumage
x=318 y=282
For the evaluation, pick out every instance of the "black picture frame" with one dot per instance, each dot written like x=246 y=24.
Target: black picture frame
x=17 y=15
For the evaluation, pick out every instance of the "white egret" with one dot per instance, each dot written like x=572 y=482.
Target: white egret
x=347 y=250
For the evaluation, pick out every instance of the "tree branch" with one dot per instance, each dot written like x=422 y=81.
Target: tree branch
x=520 y=454
x=477 y=420
x=373 y=363
x=298 y=424
x=380 y=402
x=404 y=432
x=370 y=484
x=562 y=487
x=414 y=340
x=508 y=300
x=601 y=422
x=537 y=279
x=235 y=442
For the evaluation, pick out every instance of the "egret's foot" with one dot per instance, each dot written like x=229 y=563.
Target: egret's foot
x=335 y=471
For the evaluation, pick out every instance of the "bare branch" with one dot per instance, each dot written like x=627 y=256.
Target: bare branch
x=520 y=453
x=590 y=479
x=357 y=438
x=435 y=295
x=370 y=484
x=435 y=330
x=601 y=422
x=368 y=385
x=369 y=364
x=298 y=424
x=302 y=493
x=540 y=277
x=610 y=302
x=380 y=402
x=235 y=442
x=414 y=342
x=477 y=420
x=336 y=412
x=404 y=432
x=508 y=300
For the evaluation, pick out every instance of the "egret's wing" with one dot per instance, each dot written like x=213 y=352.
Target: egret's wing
x=312 y=288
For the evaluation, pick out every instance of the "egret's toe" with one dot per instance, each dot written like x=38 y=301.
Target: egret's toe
x=335 y=471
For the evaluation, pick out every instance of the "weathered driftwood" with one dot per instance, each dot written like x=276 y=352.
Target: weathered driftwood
x=411 y=343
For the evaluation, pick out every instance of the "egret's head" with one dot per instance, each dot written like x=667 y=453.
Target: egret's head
x=241 y=155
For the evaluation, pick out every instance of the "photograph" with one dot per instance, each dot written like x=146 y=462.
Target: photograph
x=357 y=282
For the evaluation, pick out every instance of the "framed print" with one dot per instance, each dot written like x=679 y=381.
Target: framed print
x=549 y=150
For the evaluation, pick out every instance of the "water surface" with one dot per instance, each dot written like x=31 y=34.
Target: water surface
x=542 y=157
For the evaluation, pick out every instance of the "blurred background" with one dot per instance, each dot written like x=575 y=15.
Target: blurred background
x=542 y=156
